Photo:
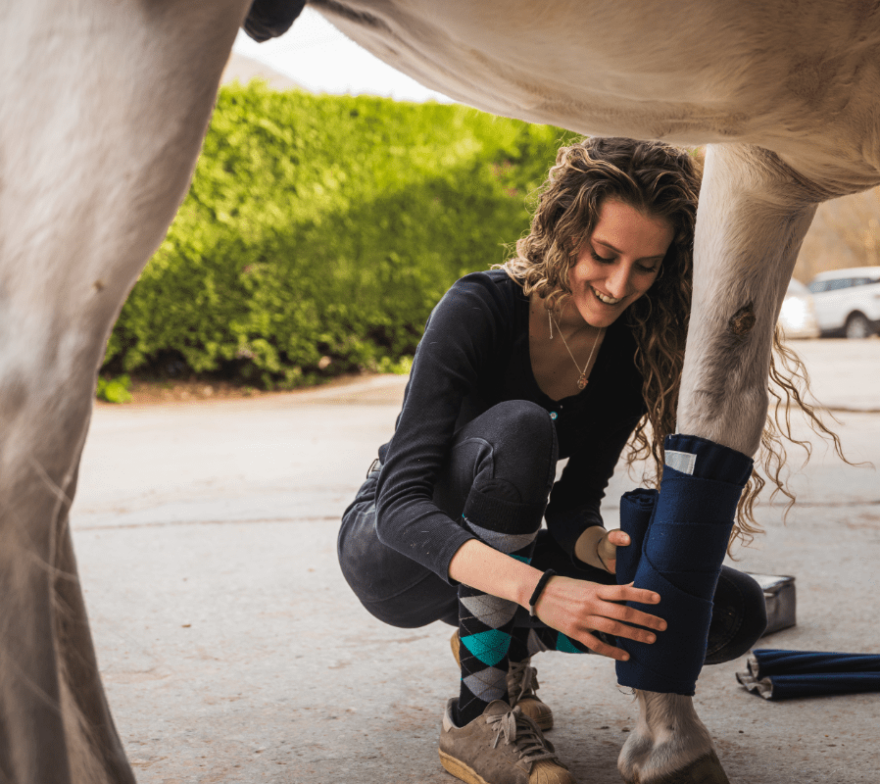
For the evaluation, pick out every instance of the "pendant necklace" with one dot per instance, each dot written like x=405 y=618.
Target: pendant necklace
x=582 y=379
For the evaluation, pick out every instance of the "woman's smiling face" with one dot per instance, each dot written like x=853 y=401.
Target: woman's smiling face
x=619 y=262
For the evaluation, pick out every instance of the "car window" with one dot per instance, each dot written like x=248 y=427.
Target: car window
x=835 y=284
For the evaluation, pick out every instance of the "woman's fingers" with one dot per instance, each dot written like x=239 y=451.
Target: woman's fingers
x=577 y=608
x=618 y=538
x=615 y=595
x=607 y=548
x=634 y=617
x=628 y=593
x=618 y=629
x=597 y=646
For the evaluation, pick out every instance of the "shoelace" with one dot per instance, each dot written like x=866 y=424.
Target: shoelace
x=521 y=732
x=522 y=678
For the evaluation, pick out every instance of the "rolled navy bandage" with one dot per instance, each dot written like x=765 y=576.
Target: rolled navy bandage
x=683 y=544
x=636 y=509
x=778 y=675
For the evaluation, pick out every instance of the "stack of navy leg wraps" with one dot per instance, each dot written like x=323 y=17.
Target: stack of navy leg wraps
x=679 y=538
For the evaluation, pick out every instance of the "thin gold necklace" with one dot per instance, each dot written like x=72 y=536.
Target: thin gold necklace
x=582 y=378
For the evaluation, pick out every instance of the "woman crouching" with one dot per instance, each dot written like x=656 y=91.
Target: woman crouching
x=569 y=350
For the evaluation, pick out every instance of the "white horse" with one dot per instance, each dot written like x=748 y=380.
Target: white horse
x=104 y=106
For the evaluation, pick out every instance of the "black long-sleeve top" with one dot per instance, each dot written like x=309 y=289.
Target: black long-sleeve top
x=475 y=354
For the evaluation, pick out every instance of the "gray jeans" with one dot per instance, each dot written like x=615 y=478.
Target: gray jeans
x=509 y=452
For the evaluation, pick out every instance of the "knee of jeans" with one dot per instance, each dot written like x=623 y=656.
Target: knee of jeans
x=423 y=603
x=525 y=448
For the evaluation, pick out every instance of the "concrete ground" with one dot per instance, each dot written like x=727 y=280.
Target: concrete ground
x=233 y=651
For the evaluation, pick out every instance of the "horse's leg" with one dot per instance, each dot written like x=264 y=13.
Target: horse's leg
x=96 y=152
x=87 y=714
x=753 y=215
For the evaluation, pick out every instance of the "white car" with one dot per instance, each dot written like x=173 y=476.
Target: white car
x=798 y=316
x=848 y=301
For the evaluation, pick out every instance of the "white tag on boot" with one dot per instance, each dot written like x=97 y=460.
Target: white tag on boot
x=681 y=461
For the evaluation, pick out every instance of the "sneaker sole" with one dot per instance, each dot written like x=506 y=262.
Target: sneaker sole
x=460 y=769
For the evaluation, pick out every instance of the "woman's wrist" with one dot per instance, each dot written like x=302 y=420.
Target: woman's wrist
x=586 y=548
x=539 y=589
x=479 y=566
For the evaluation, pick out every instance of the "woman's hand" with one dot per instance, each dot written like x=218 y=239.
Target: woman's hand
x=598 y=547
x=574 y=607
x=578 y=607
x=607 y=548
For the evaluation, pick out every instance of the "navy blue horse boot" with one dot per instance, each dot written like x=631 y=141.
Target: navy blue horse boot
x=682 y=547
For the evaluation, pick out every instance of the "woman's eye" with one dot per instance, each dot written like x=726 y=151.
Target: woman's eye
x=648 y=269
x=601 y=259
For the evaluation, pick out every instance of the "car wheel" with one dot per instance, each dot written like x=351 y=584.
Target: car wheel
x=858 y=327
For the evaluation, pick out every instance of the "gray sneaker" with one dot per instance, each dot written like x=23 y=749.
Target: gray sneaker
x=522 y=682
x=502 y=746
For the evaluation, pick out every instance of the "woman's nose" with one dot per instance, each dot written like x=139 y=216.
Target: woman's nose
x=618 y=282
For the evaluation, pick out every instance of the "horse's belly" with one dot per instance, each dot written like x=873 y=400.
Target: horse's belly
x=692 y=72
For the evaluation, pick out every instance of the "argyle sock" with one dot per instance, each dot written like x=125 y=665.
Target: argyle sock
x=529 y=638
x=523 y=644
x=486 y=622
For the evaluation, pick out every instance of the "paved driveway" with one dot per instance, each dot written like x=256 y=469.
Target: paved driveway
x=233 y=651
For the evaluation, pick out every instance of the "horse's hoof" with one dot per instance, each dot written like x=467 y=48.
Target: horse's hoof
x=705 y=770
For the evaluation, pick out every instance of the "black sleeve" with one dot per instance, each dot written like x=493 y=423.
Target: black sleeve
x=459 y=340
x=577 y=496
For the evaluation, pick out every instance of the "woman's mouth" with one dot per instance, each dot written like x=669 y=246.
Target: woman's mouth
x=604 y=298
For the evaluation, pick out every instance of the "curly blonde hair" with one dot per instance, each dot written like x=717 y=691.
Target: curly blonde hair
x=659 y=180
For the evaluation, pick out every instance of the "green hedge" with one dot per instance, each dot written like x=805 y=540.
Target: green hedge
x=325 y=227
